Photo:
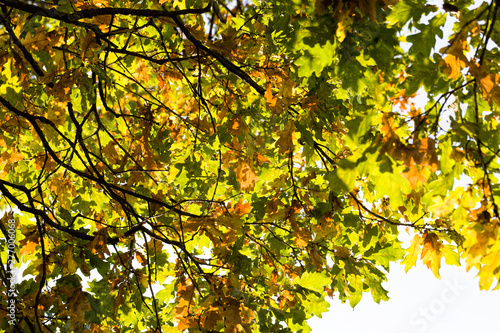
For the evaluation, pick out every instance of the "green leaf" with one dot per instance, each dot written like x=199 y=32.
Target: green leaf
x=406 y=10
x=314 y=281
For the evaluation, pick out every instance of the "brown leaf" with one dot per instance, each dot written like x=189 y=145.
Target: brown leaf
x=99 y=244
x=68 y=263
x=285 y=141
x=62 y=88
x=89 y=46
x=246 y=176
x=369 y=7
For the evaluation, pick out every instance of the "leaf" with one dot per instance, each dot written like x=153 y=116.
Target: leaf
x=246 y=176
x=89 y=45
x=490 y=270
x=99 y=244
x=69 y=264
x=285 y=141
x=406 y=10
x=489 y=83
x=424 y=41
x=453 y=66
x=431 y=253
x=242 y=208
x=413 y=252
x=413 y=175
x=343 y=178
x=28 y=248
x=315 y=59
x=343 y=26
x=270 y=99
x=314 y=281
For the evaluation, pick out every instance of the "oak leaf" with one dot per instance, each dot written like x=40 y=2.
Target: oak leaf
x=453 y=65
x=414 y=251
x=28 y=248
x=285 y=141
x=246 y=175
x=413 y=175
x=99 y=244
x=68 y=262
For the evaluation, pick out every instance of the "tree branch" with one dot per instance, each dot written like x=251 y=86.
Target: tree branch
x=33 y=121
x=23 y=49
x=225 y=62
x=93 y=12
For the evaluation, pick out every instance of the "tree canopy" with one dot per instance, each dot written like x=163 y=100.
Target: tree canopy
x=226 y=166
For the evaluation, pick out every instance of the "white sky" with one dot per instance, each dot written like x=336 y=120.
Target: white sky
x=419 y=303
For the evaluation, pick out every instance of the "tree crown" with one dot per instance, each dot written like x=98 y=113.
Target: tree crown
x=227 y=166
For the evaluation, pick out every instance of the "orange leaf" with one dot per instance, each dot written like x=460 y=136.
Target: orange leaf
x=29 y=248
x=262 y=159
x=413 y=175
x=270 y=99
x=246 y=176
x=300 y=241
x=242 y=208
x=489 y=83
x=140 y=258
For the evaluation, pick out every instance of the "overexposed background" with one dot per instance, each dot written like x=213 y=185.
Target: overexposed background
x=419 y=303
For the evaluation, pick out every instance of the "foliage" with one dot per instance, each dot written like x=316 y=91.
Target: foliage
x=226 y=166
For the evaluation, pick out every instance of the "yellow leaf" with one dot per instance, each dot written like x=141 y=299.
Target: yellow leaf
x=453 y=66
x=491 y=268
x=343 y=26
x=431 y=254
x=69 y=263
x=414 y=251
